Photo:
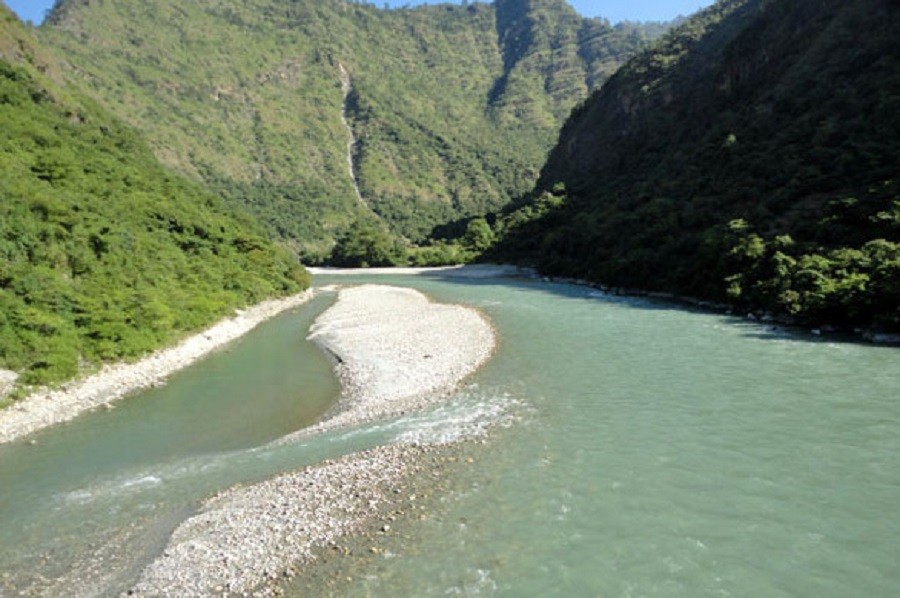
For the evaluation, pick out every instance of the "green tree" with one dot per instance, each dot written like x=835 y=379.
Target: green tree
x=795 y=212
x=479 y=235
x=104 y=253
x=366 y=244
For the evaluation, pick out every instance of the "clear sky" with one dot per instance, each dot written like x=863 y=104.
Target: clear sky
x=614 y=10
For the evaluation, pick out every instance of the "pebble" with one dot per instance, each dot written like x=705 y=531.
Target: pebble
x=378 y=334
x=48 y=407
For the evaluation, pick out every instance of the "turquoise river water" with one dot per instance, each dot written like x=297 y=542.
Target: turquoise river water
x=649 y=450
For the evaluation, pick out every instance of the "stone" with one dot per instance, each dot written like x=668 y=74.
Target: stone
x=8 y=380
x=320 y=505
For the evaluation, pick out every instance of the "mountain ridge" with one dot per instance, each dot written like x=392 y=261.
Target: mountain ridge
x=750 y=157
x=104 y=253
x=246 y=96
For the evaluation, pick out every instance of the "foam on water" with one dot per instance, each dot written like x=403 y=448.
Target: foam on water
x=469 y=415
x=152 y=480
x=112 y=489
x=657 y=451
x=480 y=584
x=129 y=484
x=489 y=303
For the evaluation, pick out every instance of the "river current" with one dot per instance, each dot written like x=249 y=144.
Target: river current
x=647 y=450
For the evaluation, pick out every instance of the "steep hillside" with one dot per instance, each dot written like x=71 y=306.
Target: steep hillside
x=104 y=253
x=452 y=108
x=751 y=157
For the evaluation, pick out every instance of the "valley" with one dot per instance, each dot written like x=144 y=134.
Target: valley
x=657 y=357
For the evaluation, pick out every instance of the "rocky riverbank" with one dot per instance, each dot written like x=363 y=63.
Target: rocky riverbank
x=246 y=540
x=48 y=407
x=394 y=351
x=7 y=382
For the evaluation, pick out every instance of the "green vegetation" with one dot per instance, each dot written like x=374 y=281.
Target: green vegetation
x=107 y=253
x=104 y=253
x=454 y=107
x=368 y=243
x=751 y=157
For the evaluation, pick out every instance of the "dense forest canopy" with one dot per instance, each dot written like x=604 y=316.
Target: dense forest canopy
x=752 y=156
x=105 y=253
x=454 y=106
x=164 y=162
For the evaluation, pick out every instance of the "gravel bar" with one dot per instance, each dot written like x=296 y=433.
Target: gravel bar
x=394 y=350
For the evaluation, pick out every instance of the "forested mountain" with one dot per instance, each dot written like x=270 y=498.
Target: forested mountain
x=454 y=107
x=752 y=156
x=104 y=252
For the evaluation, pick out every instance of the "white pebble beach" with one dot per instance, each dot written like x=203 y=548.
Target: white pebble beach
x=394 y=351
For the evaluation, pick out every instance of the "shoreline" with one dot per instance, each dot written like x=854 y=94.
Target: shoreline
x=49 y=407
x=753 y=315
x=392 y=351
x=757 y=316
x=461 y=271
x=383 y=342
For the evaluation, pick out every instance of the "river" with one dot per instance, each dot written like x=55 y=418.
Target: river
x=651 y=450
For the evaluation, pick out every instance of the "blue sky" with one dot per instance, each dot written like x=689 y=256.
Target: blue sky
x=614 y=10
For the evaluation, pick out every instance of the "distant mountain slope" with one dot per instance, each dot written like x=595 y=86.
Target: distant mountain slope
x=104 y=253
x=454 y=107
x=752 y=156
